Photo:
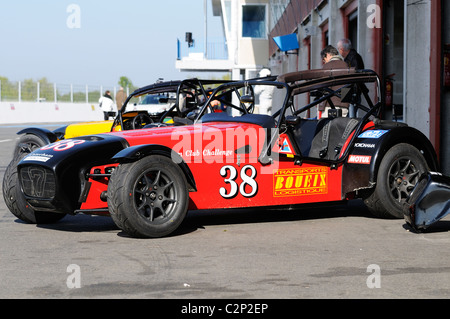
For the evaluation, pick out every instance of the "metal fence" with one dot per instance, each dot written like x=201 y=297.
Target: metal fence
x=30 y=91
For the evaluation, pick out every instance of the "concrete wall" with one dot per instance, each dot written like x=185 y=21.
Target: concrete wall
x=445 y=110
x=29 y=112
x=417 y=65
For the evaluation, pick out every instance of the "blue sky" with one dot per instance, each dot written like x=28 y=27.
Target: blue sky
x=129 y=38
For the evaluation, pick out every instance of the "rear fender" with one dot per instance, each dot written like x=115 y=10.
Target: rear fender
x=408 y=135
x=135 y=153
x=361 y=167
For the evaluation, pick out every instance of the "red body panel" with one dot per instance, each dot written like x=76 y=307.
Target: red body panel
x=228 y=178
x=280 y=183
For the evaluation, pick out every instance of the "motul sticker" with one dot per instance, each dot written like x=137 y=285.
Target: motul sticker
x=359 y=159
x=300 y=181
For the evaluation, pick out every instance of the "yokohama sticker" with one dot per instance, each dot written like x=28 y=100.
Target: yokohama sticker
x=359 y=159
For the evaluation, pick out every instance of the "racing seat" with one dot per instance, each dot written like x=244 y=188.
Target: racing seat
x=331 y=135
x=303 y=133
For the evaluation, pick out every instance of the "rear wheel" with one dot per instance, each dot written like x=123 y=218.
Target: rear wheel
x=398 y=174
x=148 y=198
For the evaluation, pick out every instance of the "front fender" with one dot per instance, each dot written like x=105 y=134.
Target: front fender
x=52 y=177
x=45 y=135
x=135 y=153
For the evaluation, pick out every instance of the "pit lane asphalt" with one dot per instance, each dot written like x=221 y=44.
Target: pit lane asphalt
x=309 y=253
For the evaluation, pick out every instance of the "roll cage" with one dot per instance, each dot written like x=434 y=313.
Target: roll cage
x=199 y=91
x=346 y=84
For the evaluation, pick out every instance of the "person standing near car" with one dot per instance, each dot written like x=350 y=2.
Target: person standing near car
x=354 y=60
x=265 y=94
x=121 y=96
x=107 y=105
x=332 y=61
x=351 y=57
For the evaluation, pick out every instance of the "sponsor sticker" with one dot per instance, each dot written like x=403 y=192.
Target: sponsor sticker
x=38 y=158
x=285 y=147
x=300 y=182
x=364 y=145
x=359 y=159
x=373 y=134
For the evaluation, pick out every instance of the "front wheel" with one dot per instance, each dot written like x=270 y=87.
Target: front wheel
x=27 y=143
x=148 y=198
x=398 y=174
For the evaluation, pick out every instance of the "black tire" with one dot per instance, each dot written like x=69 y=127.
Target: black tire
x=27 y=143
x=398 y=174
x=15 y=200
x=148 y=198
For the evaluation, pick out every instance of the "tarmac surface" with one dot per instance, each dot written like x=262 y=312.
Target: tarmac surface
x=338 y=252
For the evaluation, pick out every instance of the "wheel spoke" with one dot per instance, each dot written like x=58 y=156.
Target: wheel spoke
x=398 y=195
x=156 y=181
x=140 y=191
x=167 y=185
x=148 y=181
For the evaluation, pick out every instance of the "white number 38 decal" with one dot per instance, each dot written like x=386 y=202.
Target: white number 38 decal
x=247 y=180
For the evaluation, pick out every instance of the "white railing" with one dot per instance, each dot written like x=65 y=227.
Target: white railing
x=42 y=91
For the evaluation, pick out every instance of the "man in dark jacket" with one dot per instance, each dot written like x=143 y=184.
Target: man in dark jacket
x=332 y=61
x=351 y=57
x=354 y=60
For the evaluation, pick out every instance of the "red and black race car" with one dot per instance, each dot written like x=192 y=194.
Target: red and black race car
x=147 y=179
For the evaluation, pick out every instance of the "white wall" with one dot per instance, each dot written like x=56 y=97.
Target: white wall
x=417 y=65
x=30 y=112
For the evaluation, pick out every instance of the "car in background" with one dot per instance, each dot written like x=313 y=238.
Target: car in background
x=155 y=104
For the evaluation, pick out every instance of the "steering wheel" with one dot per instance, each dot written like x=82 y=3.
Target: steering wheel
x=140 y=120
